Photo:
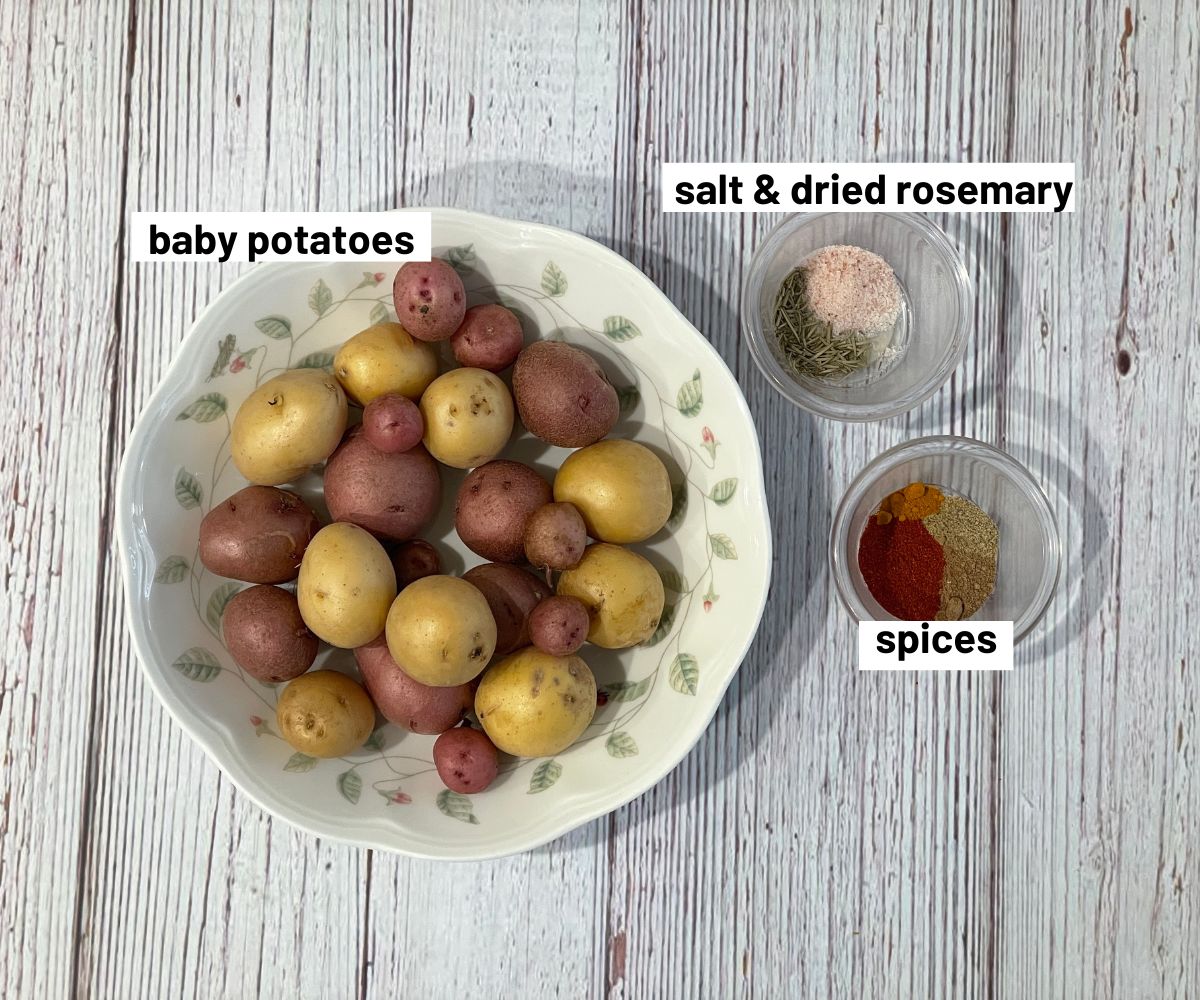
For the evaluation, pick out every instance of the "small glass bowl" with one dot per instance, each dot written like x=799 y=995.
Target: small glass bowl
x=932 y=332
x=1030 y=552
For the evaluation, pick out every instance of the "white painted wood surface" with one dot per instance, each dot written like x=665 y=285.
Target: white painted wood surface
x=833 y=835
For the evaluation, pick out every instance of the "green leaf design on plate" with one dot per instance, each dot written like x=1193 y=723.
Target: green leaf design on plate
x=618 y=329
x=679 y=502
x=318 y=359
x=690 y=398
x=375 y=740
x=462 y=258
x=627 y=690
x=664 y=626
x=197 y=664
x=379 y=313
x=544 y=775
x=171 y=570
x=684 y=674
x=218 y=602
x=554 y=282
x=275 y=327
x=621 y=745
x=188 y=490
x=673 y=580
x=205 y=409
x=350 y=785
x=723 y=492
x=300 y=762
x=320 y=298
x=722 y=546
x=628 y=397
x=456 y=806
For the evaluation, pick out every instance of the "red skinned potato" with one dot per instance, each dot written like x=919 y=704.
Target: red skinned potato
x=490 y=337
x=417 y=707
x=258 y=535
x=265 y=634
x=511 y=594
x=555 y=537
x=493 y=505
x=393 y=423
x=391 y=495
x=430 y=299
x=559 y=625
x=466 y=760
x=563 y=395
x=414 y=560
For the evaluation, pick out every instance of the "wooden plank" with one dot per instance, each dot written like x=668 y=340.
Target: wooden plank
x=60 y=216
x=1099 y=817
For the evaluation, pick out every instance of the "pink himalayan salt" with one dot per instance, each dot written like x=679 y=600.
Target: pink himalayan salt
x=851 y=289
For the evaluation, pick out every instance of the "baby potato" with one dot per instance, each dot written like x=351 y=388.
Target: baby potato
x=466 y=760
x=265 y=634
x=563 y=395
x=391 y=495
x=417 y=707
x=468 y=416
x=440 y=631
x=325 y=714
x=511 y=593
x=493 y=506
x=384 y=359
x=392 y=423
x=532 y=704
x=555 y=537
x=413 y=560
x=346 y=585
x=620 y=487
x=430 y=299
x=623 y=594
x=559 y=625
x=490 y=337
x=287 y=425
x=258 y=535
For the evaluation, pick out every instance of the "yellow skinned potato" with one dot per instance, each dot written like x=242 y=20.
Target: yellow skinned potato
x=620 y=487
x=325 y=714
x=383 y=359
x=468 y=415
x=441 y=631
x=288 y=425
x=532 y=704
x=622 y=592
x=346 y=585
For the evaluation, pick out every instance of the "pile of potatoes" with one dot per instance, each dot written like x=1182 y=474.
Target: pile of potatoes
x=501 y=643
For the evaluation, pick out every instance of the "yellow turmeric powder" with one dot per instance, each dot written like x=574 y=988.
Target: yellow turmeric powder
x=915 y=501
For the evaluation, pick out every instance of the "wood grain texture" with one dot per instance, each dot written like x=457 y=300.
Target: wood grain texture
x=832 y=834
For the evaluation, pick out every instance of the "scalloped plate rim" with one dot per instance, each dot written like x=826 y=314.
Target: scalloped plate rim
x=226 y=757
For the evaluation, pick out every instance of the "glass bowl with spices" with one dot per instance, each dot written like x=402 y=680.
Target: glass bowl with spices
x=857 y=316
x=945 y=529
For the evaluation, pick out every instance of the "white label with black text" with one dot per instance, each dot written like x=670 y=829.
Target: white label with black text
x=868 y=187
x=970 y=645
x=295 y=236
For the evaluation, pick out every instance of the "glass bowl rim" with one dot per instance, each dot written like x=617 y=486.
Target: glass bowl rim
x=795 y=391
x=941 y=444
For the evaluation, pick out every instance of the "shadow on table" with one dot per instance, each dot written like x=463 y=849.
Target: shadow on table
x=796 y=477
x=1080 y=512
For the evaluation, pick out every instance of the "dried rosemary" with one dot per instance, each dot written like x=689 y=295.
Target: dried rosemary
x=809 y=345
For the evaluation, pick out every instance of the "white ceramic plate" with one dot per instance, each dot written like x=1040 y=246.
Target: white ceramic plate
x=715 y=556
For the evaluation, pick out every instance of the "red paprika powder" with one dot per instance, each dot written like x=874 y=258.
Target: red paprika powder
x=902 y=564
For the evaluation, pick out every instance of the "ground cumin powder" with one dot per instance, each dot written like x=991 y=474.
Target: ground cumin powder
x=970 y=541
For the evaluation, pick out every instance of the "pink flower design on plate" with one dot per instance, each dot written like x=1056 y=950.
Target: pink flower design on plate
x=237 y=364
x=255 y=720
x=399 y=798
x=709 y=441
